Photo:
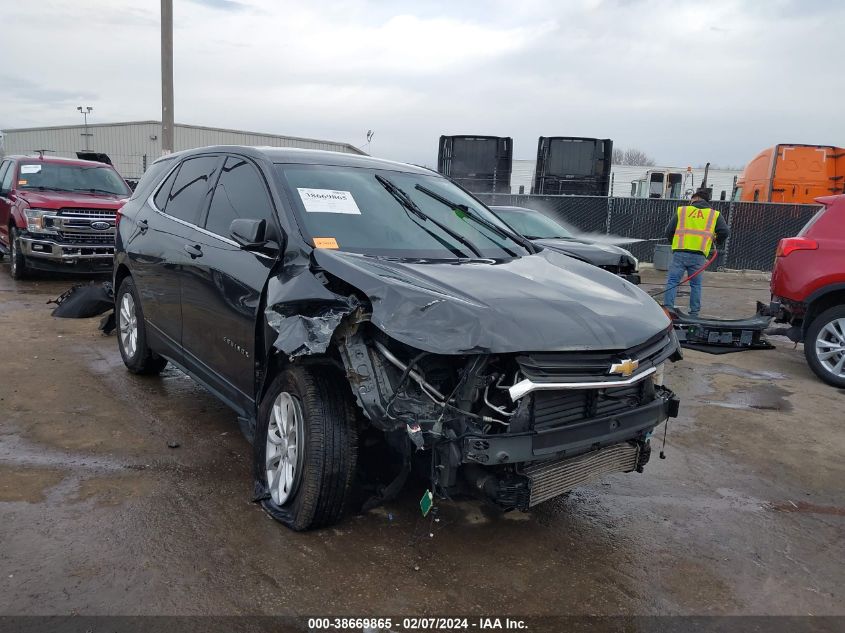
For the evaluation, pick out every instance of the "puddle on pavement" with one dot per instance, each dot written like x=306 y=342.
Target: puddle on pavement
x=15 y=452
x=764 y=397
x=29 y=485
x=746 y=390
x=740 y=372
x=806 y=507
x=115 y=490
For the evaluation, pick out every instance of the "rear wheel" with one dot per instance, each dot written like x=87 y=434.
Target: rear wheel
x=305 y=448
x=824 y=346
x=132 y=332
x=17 y=262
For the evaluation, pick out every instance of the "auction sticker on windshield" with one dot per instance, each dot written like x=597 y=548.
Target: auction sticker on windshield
x=325 y=242
x=328 y=201
x=30 y=169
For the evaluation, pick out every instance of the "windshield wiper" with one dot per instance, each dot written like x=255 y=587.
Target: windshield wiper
x=405 y=200
x=42 y=188
x=95 y=190
x=482 y=221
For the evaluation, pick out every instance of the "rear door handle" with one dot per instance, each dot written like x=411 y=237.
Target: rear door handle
x=194 y=250
x=143 y=225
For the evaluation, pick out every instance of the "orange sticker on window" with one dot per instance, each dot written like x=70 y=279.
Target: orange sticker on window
x=21 y=182
x=325 y=242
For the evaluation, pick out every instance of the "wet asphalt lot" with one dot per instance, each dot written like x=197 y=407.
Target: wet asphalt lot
x=98 y=516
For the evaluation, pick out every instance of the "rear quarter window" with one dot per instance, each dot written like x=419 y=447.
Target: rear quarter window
x=164 y=191
x=151 y=178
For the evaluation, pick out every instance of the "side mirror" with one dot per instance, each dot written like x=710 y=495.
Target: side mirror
x=250 y=234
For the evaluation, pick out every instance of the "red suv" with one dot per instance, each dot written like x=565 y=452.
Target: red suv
x=58 y=214
x=808 y=289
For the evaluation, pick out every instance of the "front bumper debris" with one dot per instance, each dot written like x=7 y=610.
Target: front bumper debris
x=570 y=439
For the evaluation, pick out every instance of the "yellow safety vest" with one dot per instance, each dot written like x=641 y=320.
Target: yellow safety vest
x=694 y=231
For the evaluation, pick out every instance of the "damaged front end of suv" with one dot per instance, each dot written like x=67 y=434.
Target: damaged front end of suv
x=513 y=380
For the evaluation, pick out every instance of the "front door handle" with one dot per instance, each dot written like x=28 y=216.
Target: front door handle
x=194 y=250
x=143 y=225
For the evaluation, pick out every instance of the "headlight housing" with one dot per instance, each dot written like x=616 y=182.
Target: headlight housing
x=659 y=375
x=35 y=220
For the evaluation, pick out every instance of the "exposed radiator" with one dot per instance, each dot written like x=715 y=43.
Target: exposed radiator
x=550 y=479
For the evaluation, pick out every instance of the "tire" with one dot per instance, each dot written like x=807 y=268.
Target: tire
x=137 y=356
x=321 y=412
x=826 y=335
x=17 y=262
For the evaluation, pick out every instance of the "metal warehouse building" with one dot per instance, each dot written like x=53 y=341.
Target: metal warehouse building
x=133 y=145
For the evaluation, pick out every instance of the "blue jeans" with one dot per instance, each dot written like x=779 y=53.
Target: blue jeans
x=682 y=263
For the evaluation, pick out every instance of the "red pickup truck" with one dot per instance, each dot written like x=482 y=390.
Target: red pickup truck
x=808 y=289
x=58 y=214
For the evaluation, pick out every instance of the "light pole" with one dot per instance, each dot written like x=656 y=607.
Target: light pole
x=85 y=112
x=166 y=76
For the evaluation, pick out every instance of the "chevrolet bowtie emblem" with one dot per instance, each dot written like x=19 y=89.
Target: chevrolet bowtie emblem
x=624 y=368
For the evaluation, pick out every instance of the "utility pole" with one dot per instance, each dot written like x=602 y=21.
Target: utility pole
x=166 y=76
x=85 y=112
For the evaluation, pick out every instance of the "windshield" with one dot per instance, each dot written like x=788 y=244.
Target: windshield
x=534 y=226
x=380 y=212
x=61 y=177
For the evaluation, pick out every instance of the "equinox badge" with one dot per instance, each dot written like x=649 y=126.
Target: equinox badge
x=625 y=368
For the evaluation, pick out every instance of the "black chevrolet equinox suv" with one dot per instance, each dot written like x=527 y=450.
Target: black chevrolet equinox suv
x=369 y=321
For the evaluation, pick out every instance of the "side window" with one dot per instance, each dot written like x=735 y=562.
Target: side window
x=191 y=188
x=6 y=183
x=164 y=190
x=240 y=193
x=3 y=167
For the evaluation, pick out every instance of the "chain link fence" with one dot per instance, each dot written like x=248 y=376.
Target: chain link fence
x=756 y=227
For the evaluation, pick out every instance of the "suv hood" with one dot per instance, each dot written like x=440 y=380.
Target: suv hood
x=596 y=254
x=541 y=302
x=61 y=199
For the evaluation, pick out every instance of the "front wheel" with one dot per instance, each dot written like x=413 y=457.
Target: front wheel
x=305 y=448
x=17 y=262
x=824 y=346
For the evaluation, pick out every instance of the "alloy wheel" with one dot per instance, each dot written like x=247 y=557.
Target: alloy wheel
x=128 y=325
x=830 y=347
x=285 y=448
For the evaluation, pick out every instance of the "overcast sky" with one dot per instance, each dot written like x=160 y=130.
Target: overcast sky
x=687 y=82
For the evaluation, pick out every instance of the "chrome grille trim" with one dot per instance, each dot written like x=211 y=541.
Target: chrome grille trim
x=526 y=386
x=88 y=213
x=587 y=366
x=74 y=226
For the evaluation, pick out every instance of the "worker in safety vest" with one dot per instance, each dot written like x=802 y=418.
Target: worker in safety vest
x=692 y=230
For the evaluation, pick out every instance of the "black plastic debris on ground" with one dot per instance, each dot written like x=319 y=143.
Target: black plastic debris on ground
x=83 y=301
x=721 y=336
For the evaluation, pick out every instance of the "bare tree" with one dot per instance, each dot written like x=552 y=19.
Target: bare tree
x=632 y=156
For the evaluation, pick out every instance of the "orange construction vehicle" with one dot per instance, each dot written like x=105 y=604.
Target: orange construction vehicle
x=793 y=173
